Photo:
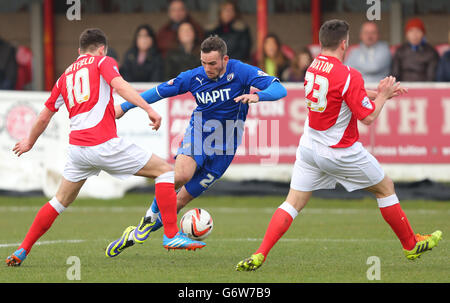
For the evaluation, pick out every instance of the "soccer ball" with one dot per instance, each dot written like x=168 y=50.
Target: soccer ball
x=197 y=223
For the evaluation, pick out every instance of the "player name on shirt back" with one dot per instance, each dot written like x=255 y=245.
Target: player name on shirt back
x=77 y=65
x=322 y=66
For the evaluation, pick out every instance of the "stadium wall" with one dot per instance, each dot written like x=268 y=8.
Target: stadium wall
x=120 y=28
x=411 y=139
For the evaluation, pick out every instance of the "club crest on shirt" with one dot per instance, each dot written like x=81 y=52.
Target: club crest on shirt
x=366 y=103
x=230 y=77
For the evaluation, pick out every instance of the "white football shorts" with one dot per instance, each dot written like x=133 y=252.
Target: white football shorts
x=118 y=157
x=321 y=167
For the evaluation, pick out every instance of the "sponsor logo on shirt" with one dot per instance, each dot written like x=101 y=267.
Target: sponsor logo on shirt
x=213 y=96
x=199 y=80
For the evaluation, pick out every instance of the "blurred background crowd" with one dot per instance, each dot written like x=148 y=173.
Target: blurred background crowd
x=158 y=51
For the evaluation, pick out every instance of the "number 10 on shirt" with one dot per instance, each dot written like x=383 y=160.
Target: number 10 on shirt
x=79 y=88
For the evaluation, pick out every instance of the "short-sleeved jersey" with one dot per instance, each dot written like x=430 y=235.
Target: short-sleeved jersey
x=215 y=98
x=85 y=89
x=336 y=99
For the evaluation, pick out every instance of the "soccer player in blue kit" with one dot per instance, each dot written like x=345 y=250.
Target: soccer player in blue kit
x=221 y=88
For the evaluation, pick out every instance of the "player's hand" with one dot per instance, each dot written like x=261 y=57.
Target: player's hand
x=400 y=91
x=22 y=147
x=119 y=111
x=388 y=86
x=247 y=98
x=155 y=118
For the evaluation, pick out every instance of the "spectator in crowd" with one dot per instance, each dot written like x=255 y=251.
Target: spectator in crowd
x=273 y=61
x=8 y=66
x=297 y=69
x=142 y=62
x=415 y=60
x=443 y=69
x=371 y=57
x=167 y=35
x=234 y=31
x=186 y=55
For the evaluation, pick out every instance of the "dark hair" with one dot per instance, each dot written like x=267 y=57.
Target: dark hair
x=91 y=39
x=332 y=33
x=149 y=31
x=214 y=43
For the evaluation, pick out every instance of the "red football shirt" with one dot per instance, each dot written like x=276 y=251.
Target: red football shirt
x=85 y=89
x=336 y=99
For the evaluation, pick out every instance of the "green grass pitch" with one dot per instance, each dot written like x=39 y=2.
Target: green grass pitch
x=330 y=241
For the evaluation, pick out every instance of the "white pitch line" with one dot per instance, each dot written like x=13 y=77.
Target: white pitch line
x=303 y=240
x=327 y=240
x=230 y=210
x=42 y=243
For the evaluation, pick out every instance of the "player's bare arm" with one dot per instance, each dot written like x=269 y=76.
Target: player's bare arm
x=386 y=90
x=38 y=128
x=126 y=91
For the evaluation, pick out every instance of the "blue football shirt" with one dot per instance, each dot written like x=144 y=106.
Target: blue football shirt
x=215 y=98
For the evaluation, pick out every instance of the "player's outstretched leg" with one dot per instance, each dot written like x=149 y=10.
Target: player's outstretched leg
x=44 y=219
x=152 y=220
x=179 y=241
x=42 y=222
x=167 y=203
x=413 y=245
x=278 y=225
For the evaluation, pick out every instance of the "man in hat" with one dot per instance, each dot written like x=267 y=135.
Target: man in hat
x=415 y=60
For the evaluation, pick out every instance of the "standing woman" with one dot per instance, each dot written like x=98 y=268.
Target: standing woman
x=273 y=61
x=142 y=62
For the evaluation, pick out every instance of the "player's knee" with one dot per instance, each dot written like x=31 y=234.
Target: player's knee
x=385 y=188
x=181 y=179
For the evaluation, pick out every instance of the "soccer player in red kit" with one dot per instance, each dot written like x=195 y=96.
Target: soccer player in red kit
x=86 y=89
x=329 y=151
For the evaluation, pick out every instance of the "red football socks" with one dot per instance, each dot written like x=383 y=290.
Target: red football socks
x=278 y=225
x=42 y=222
x=393 y=214
x=167 y=202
